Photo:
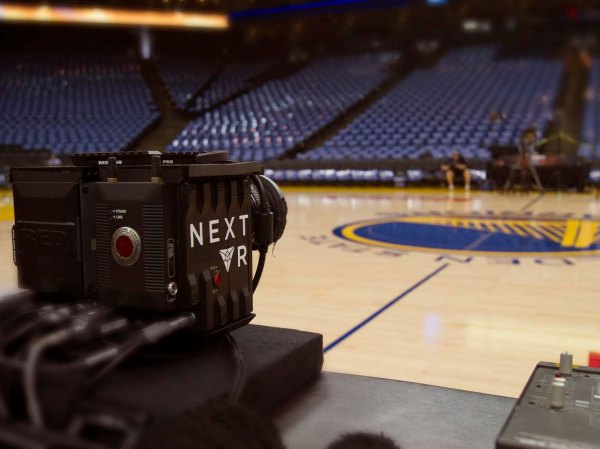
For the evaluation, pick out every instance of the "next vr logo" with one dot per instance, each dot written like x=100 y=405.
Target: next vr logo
x=220 y=230
x=227 y=255
x=211 y=232
x=480 y=234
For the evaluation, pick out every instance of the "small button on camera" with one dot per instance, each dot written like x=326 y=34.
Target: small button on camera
x=217 y=278
x=172 y=288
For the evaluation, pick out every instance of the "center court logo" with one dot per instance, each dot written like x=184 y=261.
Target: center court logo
x=479 y=235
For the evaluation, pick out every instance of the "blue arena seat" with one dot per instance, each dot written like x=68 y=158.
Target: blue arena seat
x=73 y=103
x=282 y=113
x=449 y=107
x=184 y=76
x=590 y=128
x=233 y=79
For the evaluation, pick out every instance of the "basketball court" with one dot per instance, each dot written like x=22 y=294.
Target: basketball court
x=475 y=320
x=499 y=283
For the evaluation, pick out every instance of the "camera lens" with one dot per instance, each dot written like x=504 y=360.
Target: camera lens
x=275 y=202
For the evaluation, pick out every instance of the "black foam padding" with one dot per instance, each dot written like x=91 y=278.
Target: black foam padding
x=414 y=416
x=215 y=426
x=184 y=374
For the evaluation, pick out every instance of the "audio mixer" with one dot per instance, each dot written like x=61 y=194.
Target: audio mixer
x=558 y=409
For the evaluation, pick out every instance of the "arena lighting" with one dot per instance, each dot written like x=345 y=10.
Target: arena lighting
x=107 y=16
x=476 y=26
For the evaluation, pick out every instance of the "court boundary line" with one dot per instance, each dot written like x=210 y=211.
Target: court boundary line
x=406 y=292
x=532 y=202
x=382 y=309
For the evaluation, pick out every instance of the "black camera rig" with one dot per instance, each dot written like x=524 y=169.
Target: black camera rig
x=122 y=250
x=148 y=231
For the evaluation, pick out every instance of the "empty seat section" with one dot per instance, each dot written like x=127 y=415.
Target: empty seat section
x=233 y=79
x=184 y=77
x=73 y=103
x=275 y=117
x=435 y=111
x=590 y=126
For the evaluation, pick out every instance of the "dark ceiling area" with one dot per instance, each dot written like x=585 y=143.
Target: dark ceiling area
x=259 y=9
x=278 y=25
x=298 y=6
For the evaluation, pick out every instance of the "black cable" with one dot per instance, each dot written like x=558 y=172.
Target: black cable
x=93 y=322
x=149 y=334
x=20 y=332
x=36 y=349
x=240 y=370
x=46 y=314
x=88 y=324
x=34 y=354
x=123 y=352
x=4 y=413
x=49 y=314
x=265 y=208
x=259 y=268
x=13 y=321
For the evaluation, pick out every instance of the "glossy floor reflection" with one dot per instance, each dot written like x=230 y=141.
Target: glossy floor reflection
x=463 y=291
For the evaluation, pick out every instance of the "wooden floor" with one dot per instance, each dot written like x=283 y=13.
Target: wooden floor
x=480 y=325
x=478 y=322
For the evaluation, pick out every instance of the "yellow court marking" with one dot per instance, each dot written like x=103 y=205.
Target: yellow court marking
x=546 y=232
x=587 y=234
x=570 y=233
x=532 y=231
x=525 y=228
x=581 y=233
x=7 y=212
x=349 y=232
x=518 y=230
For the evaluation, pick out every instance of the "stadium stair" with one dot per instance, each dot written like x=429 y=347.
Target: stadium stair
x=172 y=121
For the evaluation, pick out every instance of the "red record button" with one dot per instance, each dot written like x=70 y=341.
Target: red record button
x=124 y=246
x=217 y=278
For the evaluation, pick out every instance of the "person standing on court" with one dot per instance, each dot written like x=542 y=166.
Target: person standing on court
x=455 y=166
